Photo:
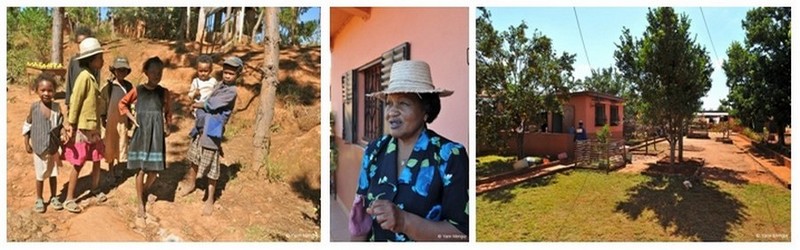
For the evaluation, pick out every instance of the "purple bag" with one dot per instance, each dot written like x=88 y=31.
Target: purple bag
x=360 y=221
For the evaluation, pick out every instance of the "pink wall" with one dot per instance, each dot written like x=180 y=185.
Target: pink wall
x=438 y=36
x=584 y=110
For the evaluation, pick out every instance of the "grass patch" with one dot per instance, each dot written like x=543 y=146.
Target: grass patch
x=256 y=233
x=584 y=205
x=490 y=165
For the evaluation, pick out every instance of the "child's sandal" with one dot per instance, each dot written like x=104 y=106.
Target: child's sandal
x=38 y=206
x=72 y=207
x=56 y=204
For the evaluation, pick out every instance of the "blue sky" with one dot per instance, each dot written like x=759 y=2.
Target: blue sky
x=602 y=27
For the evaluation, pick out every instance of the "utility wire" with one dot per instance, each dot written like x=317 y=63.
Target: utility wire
x=709 y=34
x=585 y=52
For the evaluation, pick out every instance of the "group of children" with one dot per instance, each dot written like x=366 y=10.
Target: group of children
x=125 y=125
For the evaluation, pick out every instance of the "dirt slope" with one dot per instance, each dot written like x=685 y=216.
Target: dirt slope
x=250 y=208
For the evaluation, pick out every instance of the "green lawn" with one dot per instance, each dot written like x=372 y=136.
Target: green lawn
x=583 y=205
x=494 y=164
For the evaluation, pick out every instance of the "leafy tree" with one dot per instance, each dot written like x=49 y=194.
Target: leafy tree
x=29 y=33
x=518 y=78
x=293 y=31
x=759 y=71
x=670 y=70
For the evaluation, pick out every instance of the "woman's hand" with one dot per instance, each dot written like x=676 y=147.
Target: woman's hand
x=388 y=215
x=198 y=105
x=132 y=119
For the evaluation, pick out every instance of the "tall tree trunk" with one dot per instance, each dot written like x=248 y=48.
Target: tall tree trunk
x=293 y=27
x=782 y=135
x=188 y=23
x=216 y=27
x=56 y=53
x=255 y=27
x=182 y=29
x=226 y=30
x=680 y=146
x=269 y=84
x=240 y=25
x=201 y=25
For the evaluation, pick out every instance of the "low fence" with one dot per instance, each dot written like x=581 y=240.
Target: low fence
x=608 y=156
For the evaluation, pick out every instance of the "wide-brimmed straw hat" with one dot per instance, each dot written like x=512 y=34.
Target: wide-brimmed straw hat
x=89 y=47
x=410 y=77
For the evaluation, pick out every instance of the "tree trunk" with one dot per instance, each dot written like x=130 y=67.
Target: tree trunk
x=216 y=27
x=188 y=22
x=240 y=25
x=293 y=27
x=269 y=84
x=201 y=25
x=255 y=27
x=56 y=53
x=782 y=135
x=227 y=28
x=672 y=141
x=680 y=146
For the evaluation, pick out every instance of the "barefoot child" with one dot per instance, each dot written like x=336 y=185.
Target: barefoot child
x=203 y=84
x=42 y=129
x=206 y=147
x=83 y=127
x=147 y=148
x=116 y=134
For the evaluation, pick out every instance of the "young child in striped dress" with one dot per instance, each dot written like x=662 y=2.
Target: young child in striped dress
x=42 y=131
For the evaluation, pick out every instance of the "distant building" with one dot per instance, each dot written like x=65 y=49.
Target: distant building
x=713 y=117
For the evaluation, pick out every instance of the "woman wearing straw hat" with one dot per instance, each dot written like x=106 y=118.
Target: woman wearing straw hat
x=83 y=127
x=413 y=182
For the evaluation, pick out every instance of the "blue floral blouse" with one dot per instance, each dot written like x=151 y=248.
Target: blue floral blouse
x=432 y=185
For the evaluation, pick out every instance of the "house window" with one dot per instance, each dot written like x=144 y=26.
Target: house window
x=362 y=115
x=599 y=114
x=373 y=108
x=614 y=115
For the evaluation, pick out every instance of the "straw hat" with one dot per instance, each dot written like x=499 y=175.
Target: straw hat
x=410 y=77
x=89 y=47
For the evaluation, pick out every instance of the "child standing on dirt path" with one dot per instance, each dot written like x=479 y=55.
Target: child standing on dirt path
x=116 y=134
x=203 y=84
x=206 y=146
x=147 y=150
x=42 y=130
x=83 y=127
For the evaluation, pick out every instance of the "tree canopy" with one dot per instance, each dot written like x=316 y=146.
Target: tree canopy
x=759 y=70
x=518 y=77
x=669 y=69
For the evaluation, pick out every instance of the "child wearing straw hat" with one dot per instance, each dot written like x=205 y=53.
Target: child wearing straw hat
x=83 y=127
x=413 y=181
x=116 y=125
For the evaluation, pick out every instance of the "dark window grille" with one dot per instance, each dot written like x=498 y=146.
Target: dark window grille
x=615 y=115
x=373 y=108
x=599 y=115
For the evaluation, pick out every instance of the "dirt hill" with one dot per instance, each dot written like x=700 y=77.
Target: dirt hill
x=279 y=202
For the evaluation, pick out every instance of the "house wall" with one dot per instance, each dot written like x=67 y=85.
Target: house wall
x=584 y=110
x=438 y=36
x=544 y=144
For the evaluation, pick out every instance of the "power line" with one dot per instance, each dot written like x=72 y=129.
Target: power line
x=709 y=34
x=585 y=52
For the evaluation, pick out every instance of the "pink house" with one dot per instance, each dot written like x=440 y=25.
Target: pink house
x=364 y=43
x=595 y=109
